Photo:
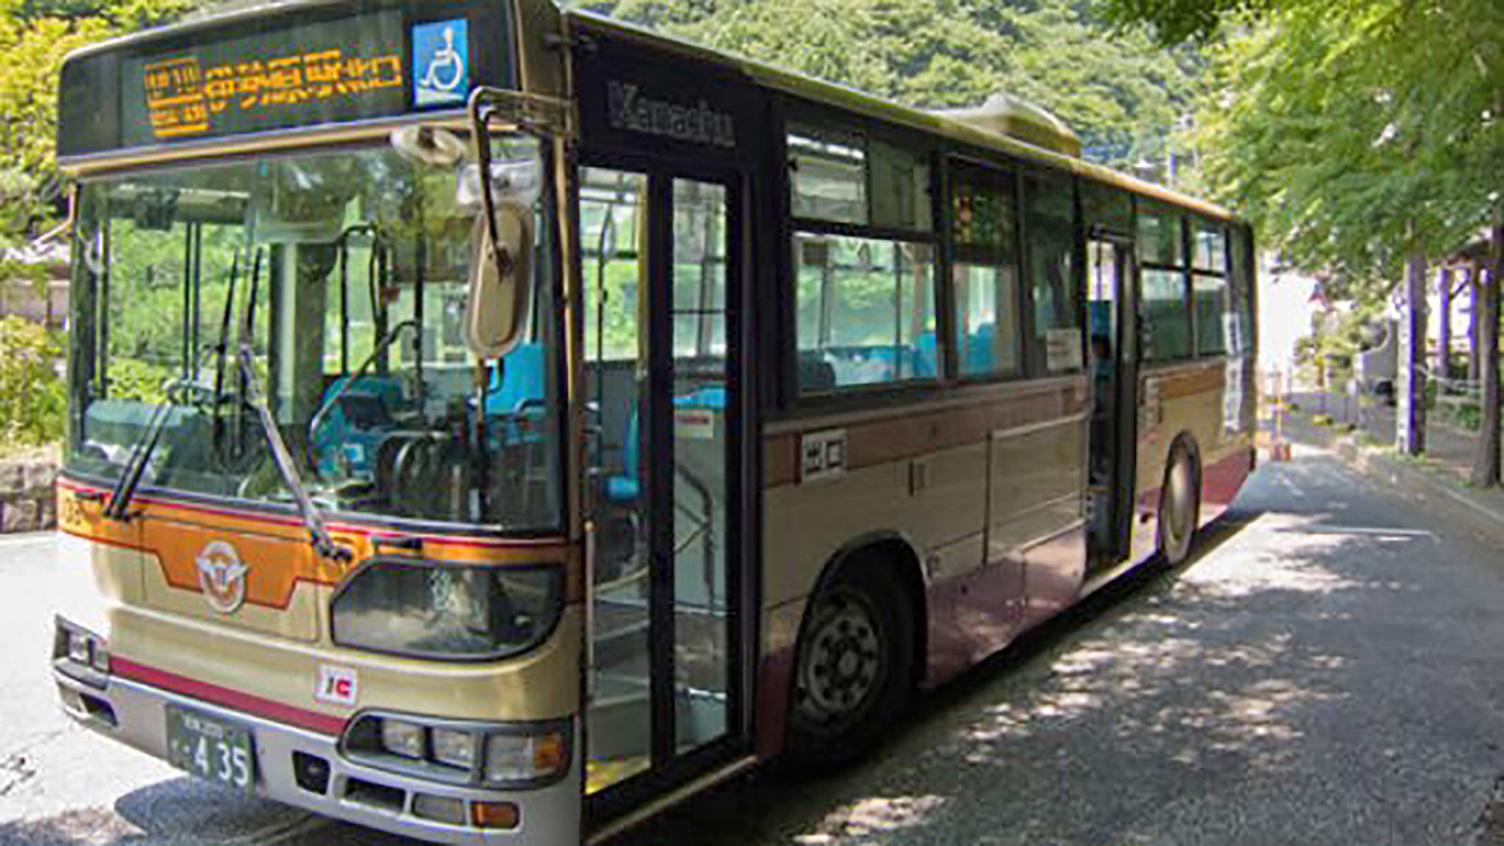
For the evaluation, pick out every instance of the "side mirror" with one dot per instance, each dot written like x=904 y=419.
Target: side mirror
x=497 y=309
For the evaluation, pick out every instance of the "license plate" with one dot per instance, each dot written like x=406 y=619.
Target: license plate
x=210 y=748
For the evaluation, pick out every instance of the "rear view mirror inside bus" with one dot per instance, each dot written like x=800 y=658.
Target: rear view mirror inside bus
x=497 y=307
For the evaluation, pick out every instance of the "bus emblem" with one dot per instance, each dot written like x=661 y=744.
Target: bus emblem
x=222 y=577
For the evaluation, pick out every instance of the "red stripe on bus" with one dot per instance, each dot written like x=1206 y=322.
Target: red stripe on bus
x=901 y=435
x=232 y=699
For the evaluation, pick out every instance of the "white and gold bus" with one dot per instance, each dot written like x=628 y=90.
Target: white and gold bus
x=495 y=424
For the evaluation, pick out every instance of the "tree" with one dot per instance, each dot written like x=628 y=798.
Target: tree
x=35 y=36
x=1359 y=135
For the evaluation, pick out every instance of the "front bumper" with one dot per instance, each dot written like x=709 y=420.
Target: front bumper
x=134 y=714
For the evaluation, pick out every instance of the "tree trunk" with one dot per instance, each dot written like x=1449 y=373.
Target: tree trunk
x=1486 y=458
x=1444 y=331
x=1410 y=434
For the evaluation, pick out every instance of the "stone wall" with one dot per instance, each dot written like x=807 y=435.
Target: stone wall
x=27 y=502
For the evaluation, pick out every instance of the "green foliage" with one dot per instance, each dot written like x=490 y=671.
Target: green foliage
x=1353 y=132
x=32 y=397
x=133 y=379
x=35 y=36
x=1176 y=21
x=1117 y=90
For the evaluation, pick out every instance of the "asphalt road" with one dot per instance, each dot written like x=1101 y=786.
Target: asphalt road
x=1327 y=670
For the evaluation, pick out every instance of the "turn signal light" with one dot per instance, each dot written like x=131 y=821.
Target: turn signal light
x=494 y=814
x=548 y=753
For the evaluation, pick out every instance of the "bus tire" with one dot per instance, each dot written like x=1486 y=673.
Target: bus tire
x=1179 y=506
x=853 y=669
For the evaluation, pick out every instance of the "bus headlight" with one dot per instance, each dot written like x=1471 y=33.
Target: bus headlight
x=454 y=747
x=516 y=755
x=425 y=609
x=401 y=738
x=520 y=758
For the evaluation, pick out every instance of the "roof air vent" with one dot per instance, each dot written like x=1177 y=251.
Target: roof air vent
x=1004 y=114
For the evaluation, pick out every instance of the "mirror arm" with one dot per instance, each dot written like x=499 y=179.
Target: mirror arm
x=533 y=114
x=480 y=117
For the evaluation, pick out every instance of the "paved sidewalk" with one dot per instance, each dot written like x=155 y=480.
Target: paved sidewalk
x=1362 y=434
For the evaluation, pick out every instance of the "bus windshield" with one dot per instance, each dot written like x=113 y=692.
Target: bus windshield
x=343 y=275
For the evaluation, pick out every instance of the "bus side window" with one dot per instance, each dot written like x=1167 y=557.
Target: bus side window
x=1164 y=307
x=1049 y=226
x=866 y=309
x=1209 y=287
x=865 y=300
x=984 y=232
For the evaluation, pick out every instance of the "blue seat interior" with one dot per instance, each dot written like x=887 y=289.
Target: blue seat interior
x=979 y=350
x=518 y=380
x=360 y=420
x=626 y=486
x=357 y=423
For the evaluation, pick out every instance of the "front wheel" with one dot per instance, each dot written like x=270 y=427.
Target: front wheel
x=853 y=673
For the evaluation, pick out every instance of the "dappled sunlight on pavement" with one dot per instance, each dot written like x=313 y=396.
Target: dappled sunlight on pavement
x=1298 y=682
x=868 y=816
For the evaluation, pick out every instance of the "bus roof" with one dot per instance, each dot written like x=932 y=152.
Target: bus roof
x=952 y=126
x=955 y=125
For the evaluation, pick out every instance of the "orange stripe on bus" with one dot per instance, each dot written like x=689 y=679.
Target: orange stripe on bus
x=275 y=548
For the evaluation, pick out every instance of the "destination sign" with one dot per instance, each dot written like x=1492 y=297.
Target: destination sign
x=305 y=74
x=295 y=65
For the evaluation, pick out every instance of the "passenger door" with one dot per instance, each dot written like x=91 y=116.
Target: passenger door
x=1113 y=361
x=665 y=688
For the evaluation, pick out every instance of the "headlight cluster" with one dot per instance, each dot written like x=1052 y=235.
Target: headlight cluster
x=427 y=609
x=79 y=652
x=512 y=755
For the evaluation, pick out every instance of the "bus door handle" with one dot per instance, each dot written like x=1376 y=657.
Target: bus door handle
x=919 y=477
x=404 y=543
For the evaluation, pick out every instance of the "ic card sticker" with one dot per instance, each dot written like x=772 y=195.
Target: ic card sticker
x=337 y=686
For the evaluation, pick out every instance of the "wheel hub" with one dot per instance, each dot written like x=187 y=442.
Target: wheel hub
x=843 y=662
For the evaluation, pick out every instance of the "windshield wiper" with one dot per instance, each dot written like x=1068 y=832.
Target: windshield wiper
x=323 y=544
x=135 y=466
x=221 y=353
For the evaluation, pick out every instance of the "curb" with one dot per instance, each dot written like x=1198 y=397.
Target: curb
x=1440 y=496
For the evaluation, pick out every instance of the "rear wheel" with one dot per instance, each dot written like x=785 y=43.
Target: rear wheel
x=853 y=674
x=1179 y=506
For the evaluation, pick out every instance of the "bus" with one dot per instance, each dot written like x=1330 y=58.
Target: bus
x=495 y=424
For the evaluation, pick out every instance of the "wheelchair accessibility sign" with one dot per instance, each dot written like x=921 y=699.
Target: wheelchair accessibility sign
x=441 y=63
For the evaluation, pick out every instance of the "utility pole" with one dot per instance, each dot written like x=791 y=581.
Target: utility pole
x=1444 y=343
x=1486 y=459
x=1474 y=324
x=1410 y=434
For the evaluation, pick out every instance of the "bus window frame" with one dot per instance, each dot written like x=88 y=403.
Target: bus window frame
x=550 y=198
x=1194 y=224
x=793 y=114
x=1010 y=170
x=1033 y=368
x=1141 y=206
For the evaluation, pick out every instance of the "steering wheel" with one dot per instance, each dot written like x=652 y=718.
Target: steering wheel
x=414 y=472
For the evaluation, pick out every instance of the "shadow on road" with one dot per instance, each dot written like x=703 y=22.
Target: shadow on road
x=733 y=813
x=1110 y=722
x=186 y=810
